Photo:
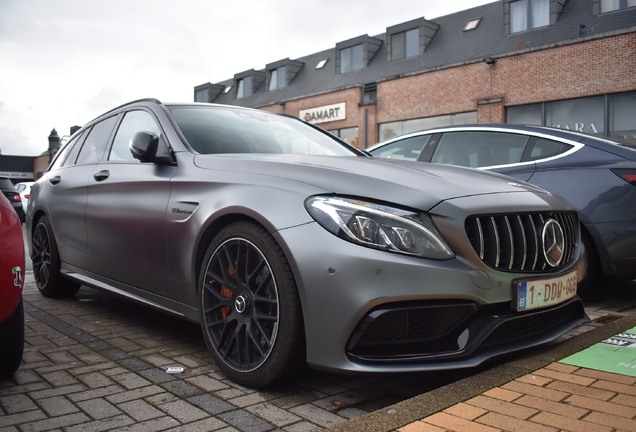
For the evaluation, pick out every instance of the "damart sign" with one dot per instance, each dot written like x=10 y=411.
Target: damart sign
x=324 y=114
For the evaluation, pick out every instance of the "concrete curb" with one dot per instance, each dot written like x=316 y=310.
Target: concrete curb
x=418 y=407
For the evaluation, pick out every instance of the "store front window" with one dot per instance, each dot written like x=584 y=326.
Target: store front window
x=622 y=120
x=350 y=135
x=583 y=115
x=607 y=115
x=391 y=129
x=614 y=5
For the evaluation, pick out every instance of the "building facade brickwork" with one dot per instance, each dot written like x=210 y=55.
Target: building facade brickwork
x=490 y=72
x=579 y=69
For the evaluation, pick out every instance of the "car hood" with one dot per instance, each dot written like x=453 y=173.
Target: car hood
x=414 y=184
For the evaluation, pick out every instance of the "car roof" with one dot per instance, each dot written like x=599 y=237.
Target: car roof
x=561 y=133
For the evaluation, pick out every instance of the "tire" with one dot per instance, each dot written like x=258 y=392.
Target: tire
x=250 y=312
x=47 y=263
x=590 y=286
x=12 y=341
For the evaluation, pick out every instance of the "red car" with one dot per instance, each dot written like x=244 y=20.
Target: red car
x=11 y=283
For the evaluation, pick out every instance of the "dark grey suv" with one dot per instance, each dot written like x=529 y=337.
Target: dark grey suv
x=289 y=246
x=595 y=174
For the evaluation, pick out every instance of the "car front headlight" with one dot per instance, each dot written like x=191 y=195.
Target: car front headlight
x=379 y=226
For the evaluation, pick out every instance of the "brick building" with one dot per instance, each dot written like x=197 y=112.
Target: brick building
x=564 y=63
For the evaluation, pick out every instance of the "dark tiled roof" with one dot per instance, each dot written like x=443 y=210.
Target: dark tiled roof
x=450 y=46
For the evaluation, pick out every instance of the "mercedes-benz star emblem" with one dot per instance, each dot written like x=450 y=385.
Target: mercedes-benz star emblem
x=553 y=242
x=240 y=304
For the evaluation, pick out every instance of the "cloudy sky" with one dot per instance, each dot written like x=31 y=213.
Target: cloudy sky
x=64 y=62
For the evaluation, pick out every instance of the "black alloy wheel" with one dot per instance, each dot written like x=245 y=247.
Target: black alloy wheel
x=47 y=264
x=249 y=306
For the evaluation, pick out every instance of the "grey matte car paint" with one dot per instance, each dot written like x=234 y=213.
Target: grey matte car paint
x=365 y=279
x=140 y=230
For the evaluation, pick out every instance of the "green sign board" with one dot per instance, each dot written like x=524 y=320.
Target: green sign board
x=616 y=354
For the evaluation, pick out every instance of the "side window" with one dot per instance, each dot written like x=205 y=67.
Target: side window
x=133 y=122
x=93 y=149
x=72 y=155
x=544 y=148
x=63 y=155
x=480 y=149
x=408 y=148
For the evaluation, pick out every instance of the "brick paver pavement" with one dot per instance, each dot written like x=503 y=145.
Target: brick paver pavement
x=558 y=397
x=96 y=362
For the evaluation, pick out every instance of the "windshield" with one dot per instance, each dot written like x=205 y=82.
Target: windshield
x=213 y=130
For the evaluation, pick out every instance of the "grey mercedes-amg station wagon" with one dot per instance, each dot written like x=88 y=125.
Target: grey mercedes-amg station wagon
x=289 y=246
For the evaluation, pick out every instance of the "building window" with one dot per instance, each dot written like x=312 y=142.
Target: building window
x=201 y=96
x=351 y=58
x=531 y=114
x=207 y=92
x=405 y=44
x=244 y=87
x=370 y=93
x=389 y=130
x=277 y=78
x=613 y=5
x=529 y=14
x=350 y=135
x=581 y=114
x=610 y=115
x=472 y=24
x=622 y=122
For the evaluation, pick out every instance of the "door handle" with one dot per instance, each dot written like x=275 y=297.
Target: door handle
x=102 y=175
x=55 y=180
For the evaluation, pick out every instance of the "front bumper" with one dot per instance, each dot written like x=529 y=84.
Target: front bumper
x=427 y=333
x=342 y=285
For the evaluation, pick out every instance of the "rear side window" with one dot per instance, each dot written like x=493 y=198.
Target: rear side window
x=63 y=154
x=408 y=148
x=544 y=148
x=133 y=122
x=480 y=149
x=93 y=149
x=72 y=155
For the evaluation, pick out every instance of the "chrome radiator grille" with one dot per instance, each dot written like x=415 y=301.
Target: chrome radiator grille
x=514 y=242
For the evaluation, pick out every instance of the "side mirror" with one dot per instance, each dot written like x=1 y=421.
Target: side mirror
x=148 y=147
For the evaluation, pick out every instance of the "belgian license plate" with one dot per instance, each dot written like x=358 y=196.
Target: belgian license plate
x=539 y=293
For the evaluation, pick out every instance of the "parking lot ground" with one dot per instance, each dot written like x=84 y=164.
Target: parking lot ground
x=96 y=362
